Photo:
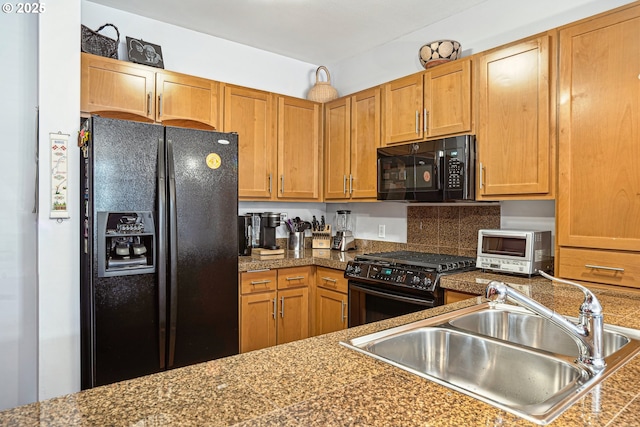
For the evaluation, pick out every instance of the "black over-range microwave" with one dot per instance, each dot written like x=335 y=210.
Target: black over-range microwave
x=431 y=171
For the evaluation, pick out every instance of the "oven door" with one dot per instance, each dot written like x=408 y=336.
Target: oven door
x=370 y=303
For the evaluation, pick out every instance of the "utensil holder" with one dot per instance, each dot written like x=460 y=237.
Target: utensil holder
x=296 y=241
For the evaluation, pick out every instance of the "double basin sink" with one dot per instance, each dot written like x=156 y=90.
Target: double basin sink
x=501 y=354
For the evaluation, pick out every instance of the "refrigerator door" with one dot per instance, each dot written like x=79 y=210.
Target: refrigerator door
x=120 y=318
x=203 y=315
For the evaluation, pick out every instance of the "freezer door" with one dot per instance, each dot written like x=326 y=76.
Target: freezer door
x=120 y=330
x=203 y=314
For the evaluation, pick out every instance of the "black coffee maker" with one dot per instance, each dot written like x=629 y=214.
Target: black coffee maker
x=268 y=223
x=244 y=235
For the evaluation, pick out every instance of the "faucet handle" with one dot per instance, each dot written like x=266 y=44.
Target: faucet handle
x=591 y=305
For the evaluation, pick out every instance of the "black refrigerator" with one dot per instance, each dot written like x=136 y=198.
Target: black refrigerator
x=159 y=245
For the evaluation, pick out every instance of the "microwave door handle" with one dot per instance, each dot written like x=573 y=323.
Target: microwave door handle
x=439 y=169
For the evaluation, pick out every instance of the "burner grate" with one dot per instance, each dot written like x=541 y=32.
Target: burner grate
x=439 y=262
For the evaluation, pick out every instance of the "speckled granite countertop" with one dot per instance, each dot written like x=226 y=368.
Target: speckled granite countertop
x=318 y=382
x=318 y=257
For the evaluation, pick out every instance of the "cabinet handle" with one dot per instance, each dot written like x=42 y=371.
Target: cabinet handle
x=481 y=176
x=602 y=267
x=160 y=105
x=329 y=279
x=350 y=184
x=343 y=312
x=148 y=103
x=295 y=278
x=426 y=116
x=282 y=307
x=344 y=184
x=417 y=122
x=260 y=282
x=270 y=183
x=274 y=308
x=282 y=183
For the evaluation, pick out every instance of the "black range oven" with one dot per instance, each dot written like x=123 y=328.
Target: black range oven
x=388 y=284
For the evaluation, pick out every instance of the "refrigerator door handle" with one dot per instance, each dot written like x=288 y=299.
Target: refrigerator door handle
x=173 y=253
x=162 y=254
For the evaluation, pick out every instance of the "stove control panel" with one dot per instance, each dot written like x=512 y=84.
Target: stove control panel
x=418 y=278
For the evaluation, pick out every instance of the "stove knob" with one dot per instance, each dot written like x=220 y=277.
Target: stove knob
x=349 y=269
x=356 y=269
x=415 y=280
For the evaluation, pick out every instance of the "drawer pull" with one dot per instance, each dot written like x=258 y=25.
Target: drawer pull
x=260 y=282
x=602 y=267
x=329 y=279
x=295 y=278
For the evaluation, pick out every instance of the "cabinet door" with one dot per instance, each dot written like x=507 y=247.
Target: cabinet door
x=447 y=99
x=365 y=140
x=514 y=101
x=120 y=88
x=402 y=110
x=599 y=134
x=299 y=149
x=293 y=315
x=331 y=311
x=184 y=99
x=337 y=136
x=250 y=113
x=258 y=321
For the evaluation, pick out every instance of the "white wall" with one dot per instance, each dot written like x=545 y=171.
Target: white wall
x=197 y=54
x=58 y=242
x=18 y=283
x=489 y=24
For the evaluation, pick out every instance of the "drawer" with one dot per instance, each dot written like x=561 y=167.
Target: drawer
x=294 y=277
x=598 y=266
x=258 y=281
x=330 y=278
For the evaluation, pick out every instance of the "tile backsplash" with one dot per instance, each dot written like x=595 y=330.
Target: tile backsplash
x=449 y=229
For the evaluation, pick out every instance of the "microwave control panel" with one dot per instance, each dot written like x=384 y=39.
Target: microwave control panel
x=455 y=173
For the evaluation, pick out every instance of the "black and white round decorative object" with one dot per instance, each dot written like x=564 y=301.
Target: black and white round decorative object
x=439 y=51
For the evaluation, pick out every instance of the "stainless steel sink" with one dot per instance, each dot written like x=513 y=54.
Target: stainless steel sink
x=520 y=326
x=500 y=355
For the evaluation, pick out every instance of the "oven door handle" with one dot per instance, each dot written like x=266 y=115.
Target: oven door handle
x=418 y=301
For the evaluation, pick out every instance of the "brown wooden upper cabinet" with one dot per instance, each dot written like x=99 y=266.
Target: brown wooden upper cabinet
x=352 y=135
x=515 y=130
x=131 y=91
x=251 y=114
x=183 y=99
x=427 y=105
x=299 y=149
x=598 y=202
x=124 y=89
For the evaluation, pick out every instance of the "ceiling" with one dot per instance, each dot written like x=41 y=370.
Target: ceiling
x=313 y=31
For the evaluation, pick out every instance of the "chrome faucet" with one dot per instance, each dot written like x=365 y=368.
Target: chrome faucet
x=588 y=332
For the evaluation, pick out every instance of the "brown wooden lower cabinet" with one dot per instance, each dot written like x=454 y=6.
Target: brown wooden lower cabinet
x=455 y=296
x=331 y=301
x=274 y=307
x=331 y=311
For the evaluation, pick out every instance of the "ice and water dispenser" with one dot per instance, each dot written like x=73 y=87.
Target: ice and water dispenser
x=126 y=243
